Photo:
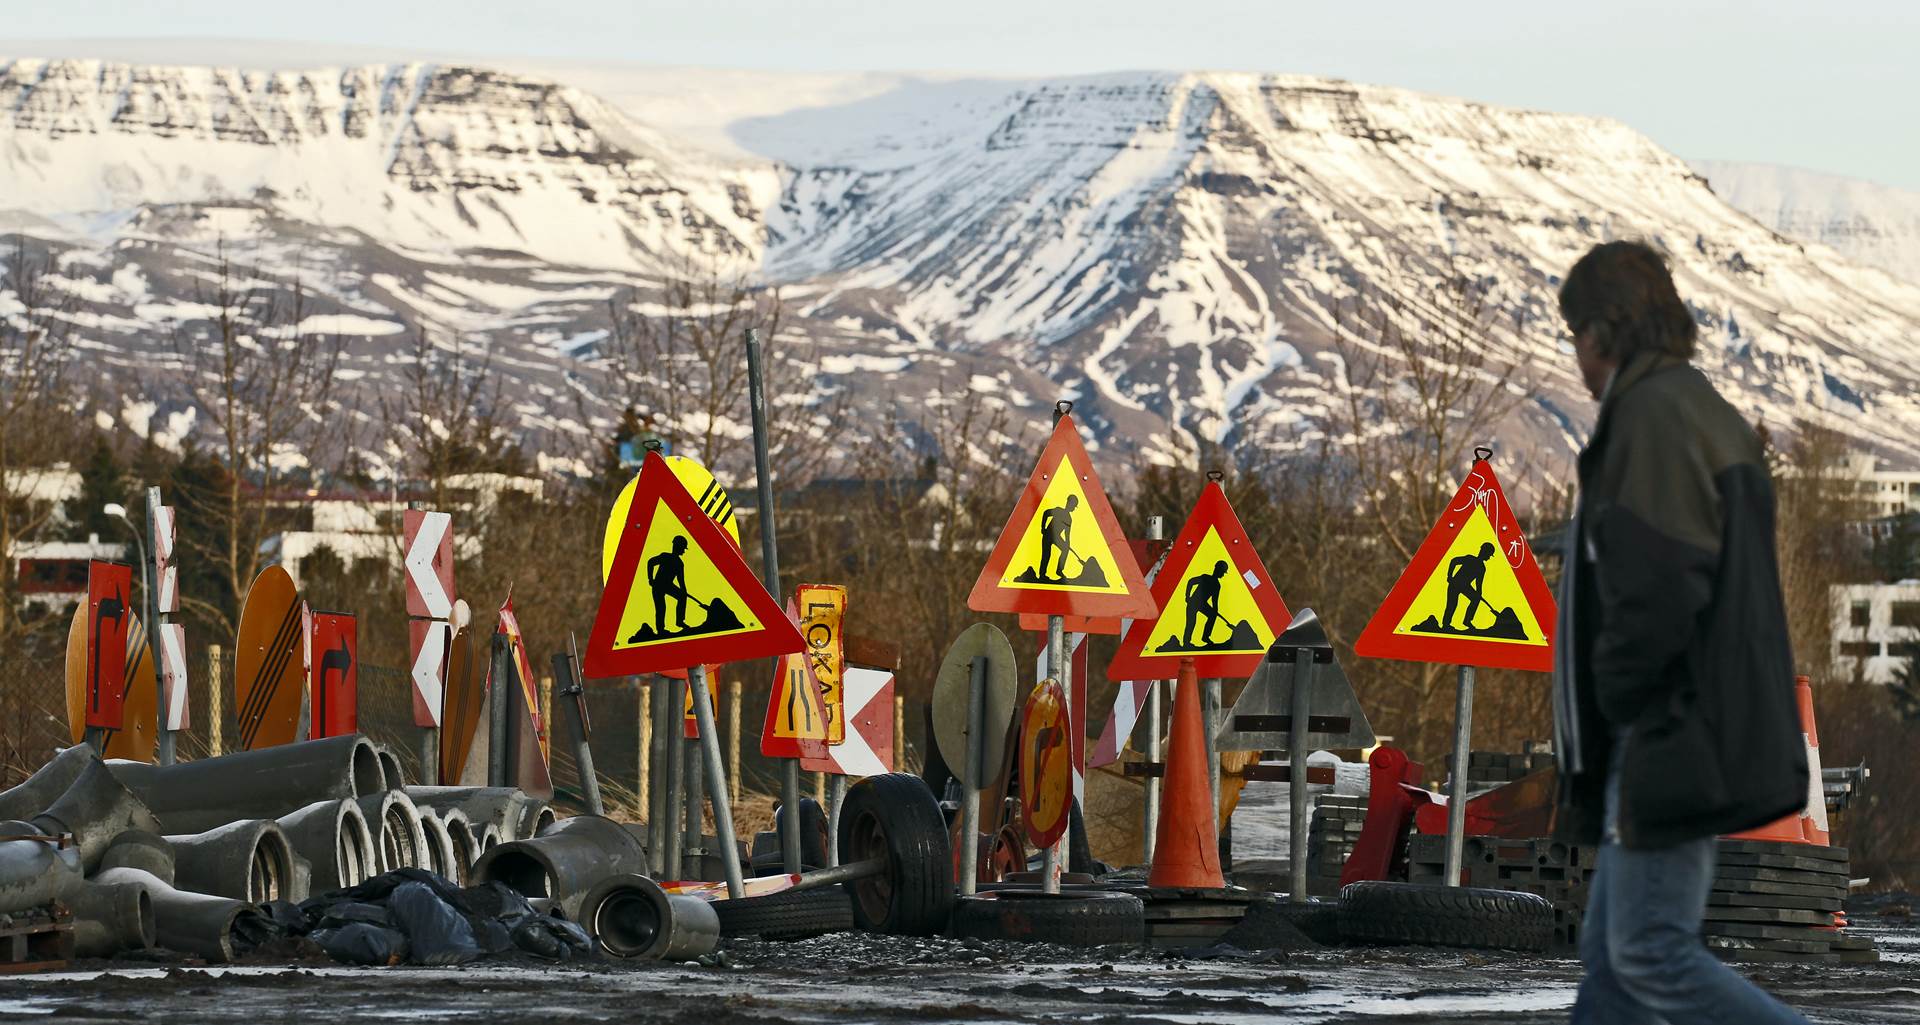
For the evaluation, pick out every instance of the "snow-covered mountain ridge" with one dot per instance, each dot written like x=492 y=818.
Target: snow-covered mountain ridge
x=1174 y=251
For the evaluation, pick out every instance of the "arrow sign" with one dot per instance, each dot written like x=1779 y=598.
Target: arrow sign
x=173 y=673
x=166 y=576
x=336 y=675
x=430 y=640
x=108 y=584
x=429 y=544
x=868 y=749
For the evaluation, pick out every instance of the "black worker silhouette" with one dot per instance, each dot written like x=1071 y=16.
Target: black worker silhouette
x=1056 y=535
x=667 y=579
x=1202 y=595
x=1466 y=582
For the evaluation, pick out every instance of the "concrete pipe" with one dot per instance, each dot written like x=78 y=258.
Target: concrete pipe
x=333 y=836
x=439 y=846
x=460 y=841
x=488 y=838
x=565 y=861
x=110 y=918
x=148 y=852
x=394 y=822
x=630 y=916
x=394 y=777
x=33 y=872
x=517 y=815
x=249 y=860
x=96 y=809
x=44 y=787
x=192 y=797
x=216 y=928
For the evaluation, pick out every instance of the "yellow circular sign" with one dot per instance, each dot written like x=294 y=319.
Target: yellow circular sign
x=706 y=492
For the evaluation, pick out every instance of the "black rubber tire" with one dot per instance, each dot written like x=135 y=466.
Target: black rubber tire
x=788 y=915
x=767 y=859
x=1079 y=853
x=1445 y=916
x=1082 y=919
x=895 y=816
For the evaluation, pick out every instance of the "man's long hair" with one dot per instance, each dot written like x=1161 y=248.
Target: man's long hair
x=1624 y=293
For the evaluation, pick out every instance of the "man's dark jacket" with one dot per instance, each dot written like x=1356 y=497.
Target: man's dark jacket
x=1673 y=632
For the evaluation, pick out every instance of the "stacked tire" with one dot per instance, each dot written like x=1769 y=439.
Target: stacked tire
x=1383 y=913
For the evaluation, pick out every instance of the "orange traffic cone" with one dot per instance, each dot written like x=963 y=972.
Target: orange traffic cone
x=1809 y=824
x=1186 y=849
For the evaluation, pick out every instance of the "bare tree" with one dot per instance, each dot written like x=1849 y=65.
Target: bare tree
x=264 y=383
x=36 y=408
x=446 y=418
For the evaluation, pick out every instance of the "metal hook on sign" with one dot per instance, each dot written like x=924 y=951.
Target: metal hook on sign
x=1060 y=409
x=653 y=445
x=1482 y=453
x=1216 y=476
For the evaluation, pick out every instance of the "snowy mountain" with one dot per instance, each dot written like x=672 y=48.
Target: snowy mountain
x=1875 y=225
x=1173 y=251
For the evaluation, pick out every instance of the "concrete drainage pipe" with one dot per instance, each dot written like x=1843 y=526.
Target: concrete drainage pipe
x=333 y=836
x=216 y=928
x=565 y=861
x=401 y=842
x=439 y=846
x=249 y=860
x=191 y=797
x=110 y=918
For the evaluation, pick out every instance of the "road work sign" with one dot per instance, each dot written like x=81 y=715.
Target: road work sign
x=795 y=710
x=1218 y=604
x=823 y=614
x=1062 y=551
x=699 y=482
x=679 y=593
x=1472 y=595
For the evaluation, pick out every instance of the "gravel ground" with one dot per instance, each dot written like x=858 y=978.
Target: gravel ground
x=852 y=978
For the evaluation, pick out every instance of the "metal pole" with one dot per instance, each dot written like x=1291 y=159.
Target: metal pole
x=693 y=827
x=836 y=796
x=970 y=774
x=1210 y=720
x=1302 y=673
x=733 y=740
x=717 y=776
x=770 y=575
x=429 y=757
x=570 y=701
x=501 y=673
x=1056 y=853
x=1150 y=819
x=1457 y=794
x=658 y=695
x=216 y=702
x=676 y=759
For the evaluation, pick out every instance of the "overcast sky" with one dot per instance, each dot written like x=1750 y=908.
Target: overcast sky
x=1832 y=86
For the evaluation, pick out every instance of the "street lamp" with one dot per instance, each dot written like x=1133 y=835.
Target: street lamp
x=163 y=736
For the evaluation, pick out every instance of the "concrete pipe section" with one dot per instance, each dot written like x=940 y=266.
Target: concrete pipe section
x=216 y=928
x=333 y=837
x=630 y=916
x=399 y=839
x=38 y=792
x=148 y=852
x=249 y=861
x=33 y=872
x=439 y=846
x=111 y=918
x=95 y=809
x=565 y=861
x=516 y=816
x=392 y=775
x=461 y=842
x=192 y=797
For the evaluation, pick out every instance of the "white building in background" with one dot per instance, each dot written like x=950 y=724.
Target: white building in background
x=1876 y=629
x=1887 y=492
x=362 y=526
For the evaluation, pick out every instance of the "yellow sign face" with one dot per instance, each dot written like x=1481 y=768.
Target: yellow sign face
x=1474 y=593
x=1212 y=611
x=678 y=593
x=707 y=493
x=797 y=711
x=823 y=610
x=1062 y=549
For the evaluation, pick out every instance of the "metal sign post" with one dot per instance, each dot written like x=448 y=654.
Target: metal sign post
x=1210 y=720
x=770 y=575
x=1150 y=820
x=1457 y=793
x=660 y=721
x=972 y=771
x=1304 y=664
x=717 y=782
x=676 y=771
x=1056 y=854
x=573 y=705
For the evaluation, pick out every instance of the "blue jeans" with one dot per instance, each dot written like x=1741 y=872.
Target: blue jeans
x=1640 y=941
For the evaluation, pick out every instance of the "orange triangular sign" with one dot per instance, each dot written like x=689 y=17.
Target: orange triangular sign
x=1062 y=552
x=679 y=593
x=796 y=711
x=1472 y=595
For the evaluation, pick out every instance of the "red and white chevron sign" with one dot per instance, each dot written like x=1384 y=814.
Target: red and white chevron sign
x=868 y=749
x=429 y=547
x=173 y=673
x=166 y=576
x=430 y=640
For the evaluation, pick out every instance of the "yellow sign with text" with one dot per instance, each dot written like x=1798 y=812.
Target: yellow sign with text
x=823 y=613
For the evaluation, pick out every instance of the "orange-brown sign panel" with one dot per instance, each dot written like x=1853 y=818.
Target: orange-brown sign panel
x=269 y=680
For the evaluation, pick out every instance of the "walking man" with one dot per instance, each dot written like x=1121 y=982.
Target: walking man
x=1467 y=578
x=667 y=577
x=1203 y=598
x=1056 y=533
x=1674 y=715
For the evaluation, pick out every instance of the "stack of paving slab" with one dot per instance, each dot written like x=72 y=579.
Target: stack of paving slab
x=1336 y=825
x=1560 y=872
x=1777 y=901
x=1489 y=769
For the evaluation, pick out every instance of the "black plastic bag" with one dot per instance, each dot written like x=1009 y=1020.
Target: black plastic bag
x=436 y=932
x=555 y=939
x=362 y=944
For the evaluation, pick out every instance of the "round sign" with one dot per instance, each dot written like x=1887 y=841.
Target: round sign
x=1046 y=770
x=269 y=682
x=950 y=702
x=707 y=493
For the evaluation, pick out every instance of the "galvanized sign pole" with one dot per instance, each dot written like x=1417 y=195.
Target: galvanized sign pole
x=566 y=677
x=717 y=783
x=1297 y=813
x=973 y=770
x=1056 y=651
x=676 y=772
x=1150 y=820
x=1457 y=794
x=770 y=575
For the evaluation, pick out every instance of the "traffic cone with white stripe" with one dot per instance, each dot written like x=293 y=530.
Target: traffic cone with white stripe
x=1809 y=824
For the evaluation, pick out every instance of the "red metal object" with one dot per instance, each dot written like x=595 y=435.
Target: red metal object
x=334 y=675
x=109 y=609
x=1520 y=810
x=1393 y=798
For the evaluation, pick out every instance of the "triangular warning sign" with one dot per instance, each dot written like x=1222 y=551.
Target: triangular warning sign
x=1218 y=605
x=1472 y=594
x=795 y=709
x=1062 y=552
x=679 y=594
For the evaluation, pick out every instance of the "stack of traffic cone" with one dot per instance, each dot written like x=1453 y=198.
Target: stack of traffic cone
x=1809 y=824
x=1186 y=849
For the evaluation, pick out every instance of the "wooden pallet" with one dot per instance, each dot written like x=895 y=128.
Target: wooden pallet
x=36 y=940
